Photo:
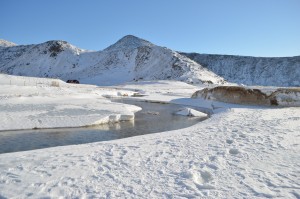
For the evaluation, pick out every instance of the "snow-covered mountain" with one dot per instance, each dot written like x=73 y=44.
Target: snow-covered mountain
x=129 y=59
x=4 y=43
x=132 y=59
x=276 y=71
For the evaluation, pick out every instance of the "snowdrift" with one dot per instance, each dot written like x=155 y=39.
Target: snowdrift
x=31 y=103
x=251 y=96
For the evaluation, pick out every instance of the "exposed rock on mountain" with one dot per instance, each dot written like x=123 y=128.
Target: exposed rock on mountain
x=4 y=43
x=129 y=59
x=134 y=59
x=276 y=71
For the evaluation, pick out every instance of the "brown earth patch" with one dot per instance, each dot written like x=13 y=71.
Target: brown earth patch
x=243 y=95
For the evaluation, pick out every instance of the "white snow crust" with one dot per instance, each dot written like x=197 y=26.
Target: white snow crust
x=44 y=104
x=191 y=113
x=239 y=152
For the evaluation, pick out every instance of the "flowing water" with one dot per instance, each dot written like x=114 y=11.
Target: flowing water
x=153 y=118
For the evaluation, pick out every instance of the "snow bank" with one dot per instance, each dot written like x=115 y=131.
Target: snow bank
x=52 y=112
x=27 y=103
x=241 y=153
x=252 y=96
x=244 y=152
x=29 y=81
x=191 y=113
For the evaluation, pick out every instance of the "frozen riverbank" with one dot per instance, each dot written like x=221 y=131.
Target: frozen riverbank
x=240 y=152
x=42 y=105
x=153 y=118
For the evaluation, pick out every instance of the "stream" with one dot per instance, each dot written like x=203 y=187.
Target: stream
x=153 y=118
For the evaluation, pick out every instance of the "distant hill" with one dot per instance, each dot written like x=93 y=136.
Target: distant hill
x=266 y=71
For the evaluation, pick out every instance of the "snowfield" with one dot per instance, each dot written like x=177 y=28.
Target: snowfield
x=44 y=104
x=239 y=152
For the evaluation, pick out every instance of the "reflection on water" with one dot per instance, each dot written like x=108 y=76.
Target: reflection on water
x=152 y=119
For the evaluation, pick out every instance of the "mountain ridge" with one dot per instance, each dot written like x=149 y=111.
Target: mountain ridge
x=128 y=41
x=5 y=43
x=132 y=58
x=265 y=71
x=129 y=59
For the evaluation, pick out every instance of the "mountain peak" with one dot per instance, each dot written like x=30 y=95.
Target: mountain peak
x=61 y=45
x=129 y=42
x=4 y=43
x=131 y=37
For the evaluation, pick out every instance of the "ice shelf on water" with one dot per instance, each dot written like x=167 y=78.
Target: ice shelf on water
x=239 y=152
x=153 y=118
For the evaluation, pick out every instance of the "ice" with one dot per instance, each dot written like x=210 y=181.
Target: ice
x=45 y=106
x=191 y=113
x=239 y=152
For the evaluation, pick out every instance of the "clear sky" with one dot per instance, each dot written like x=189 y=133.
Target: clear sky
x=238 y=27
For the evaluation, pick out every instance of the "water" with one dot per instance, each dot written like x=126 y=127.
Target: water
x=153 y=118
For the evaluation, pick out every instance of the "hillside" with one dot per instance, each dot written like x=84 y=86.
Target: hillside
x=276 y=71
x=133 y=59
x=4 y=43
x=129 y=59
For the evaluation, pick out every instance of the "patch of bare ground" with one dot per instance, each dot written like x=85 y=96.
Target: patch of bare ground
x=251 y=96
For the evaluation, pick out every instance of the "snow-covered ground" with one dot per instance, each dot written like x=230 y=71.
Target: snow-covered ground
x=27 y=103
x=239 y=152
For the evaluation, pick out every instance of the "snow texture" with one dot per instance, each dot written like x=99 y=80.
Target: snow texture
x=191 y=113
x=265 y=71
x=4 y=43
x=130 y=59
x=49 y=103
x=239 y=152
x=134 y=59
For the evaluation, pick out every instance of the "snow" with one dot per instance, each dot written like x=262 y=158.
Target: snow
x=4 y=43
x=191 y=113
x=129 y=59
x=133 y=59
x=265 y=71
x=239 y=152
x=128 y=41
x=288 y=97
x=46 y=106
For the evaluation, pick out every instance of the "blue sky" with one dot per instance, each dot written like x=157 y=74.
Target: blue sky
x=238 y=27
